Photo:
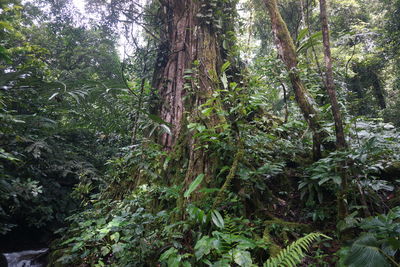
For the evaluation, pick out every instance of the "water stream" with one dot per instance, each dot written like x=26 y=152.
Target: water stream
x=26 y=258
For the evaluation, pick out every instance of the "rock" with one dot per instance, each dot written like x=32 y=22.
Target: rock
x=3 y=261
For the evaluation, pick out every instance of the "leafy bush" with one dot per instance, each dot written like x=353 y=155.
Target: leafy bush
x=230 y=244
x=372 y=149
x=115 y=233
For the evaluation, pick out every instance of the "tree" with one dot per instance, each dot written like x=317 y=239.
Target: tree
x=329 y=83
x=52 y=87
x=330 y=88
x=187 y=74
x=287 y=52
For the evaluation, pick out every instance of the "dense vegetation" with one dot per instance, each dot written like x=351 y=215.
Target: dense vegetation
x=202 y=133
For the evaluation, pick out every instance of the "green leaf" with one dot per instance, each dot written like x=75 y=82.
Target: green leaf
x=242 y=258
x=194 y=185
x=100 y=264
x=224 y=44
x=174 y=261
x=322 y=181
x=337 y=180
x=225 y=66
x=314 y=39
x=192 y=125
x=200 y=128
x=222 y=263
x=74 y=96
x=115 y=237
x=209 y=190
x=77 y=246
x=217 y=219
x=302 y=34
x=155 y=118
x=365 y=252
x=207 y=111
x=244 y=243
x=167 y=254
x=394 y=243
x=105 y=250
x=203 y=246
x=224 y=80
x=118 y=247
x=7 y=156
x=165 y=165
x=4 y=54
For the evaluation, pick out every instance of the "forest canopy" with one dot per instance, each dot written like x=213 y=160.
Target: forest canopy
x=201 y=132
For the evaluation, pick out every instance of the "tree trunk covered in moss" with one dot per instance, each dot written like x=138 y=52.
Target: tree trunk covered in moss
x=186 y=76
x=330 y=86
x=287 y=52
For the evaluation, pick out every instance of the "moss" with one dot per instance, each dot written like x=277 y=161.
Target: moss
x=231 y=175
x=273 y=248
x=301 y=226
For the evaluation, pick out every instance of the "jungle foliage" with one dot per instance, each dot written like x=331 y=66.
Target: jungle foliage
x=199 y=152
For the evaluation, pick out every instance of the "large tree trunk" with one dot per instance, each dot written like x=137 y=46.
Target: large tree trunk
x=190 y=43
x=287 y=52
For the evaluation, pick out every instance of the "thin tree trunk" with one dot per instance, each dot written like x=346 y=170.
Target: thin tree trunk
x=309 y=34
x=287 y=52
x=285 y=99
x=330 y=88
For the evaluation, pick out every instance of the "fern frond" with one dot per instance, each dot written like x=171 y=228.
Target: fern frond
x=230 y=227
x=230 y=231
x=295 y=252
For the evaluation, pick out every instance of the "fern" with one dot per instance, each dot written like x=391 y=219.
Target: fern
x=295 y=252
x=229 y=235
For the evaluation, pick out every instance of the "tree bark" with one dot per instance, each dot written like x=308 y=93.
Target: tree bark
x=330 y=88
x=187 y=39
x=287 y=52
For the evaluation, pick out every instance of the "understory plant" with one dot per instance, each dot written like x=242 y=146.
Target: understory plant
x=378 y=244
x=125 y=232
x=228 y=247
x=373 y=149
